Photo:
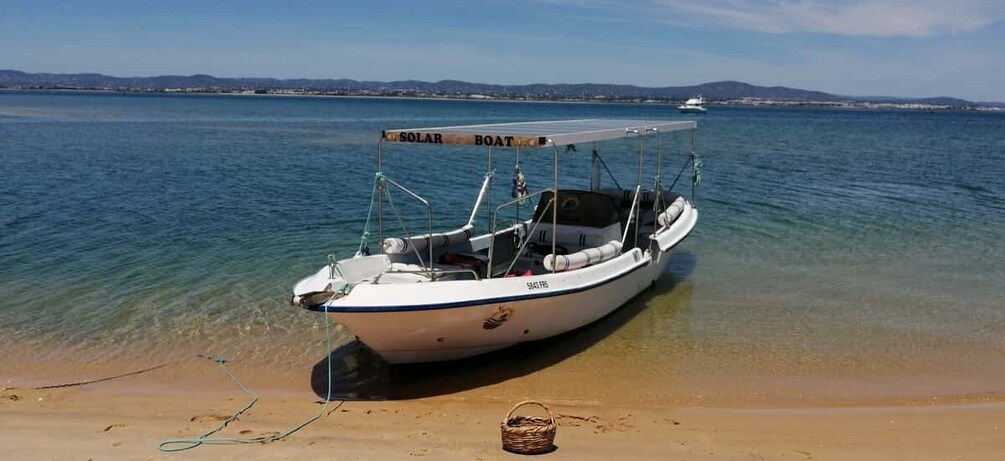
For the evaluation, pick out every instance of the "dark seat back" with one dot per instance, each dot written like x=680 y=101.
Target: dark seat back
x=579 y=208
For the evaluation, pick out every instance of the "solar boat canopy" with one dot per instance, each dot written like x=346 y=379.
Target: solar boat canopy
x=536 y=134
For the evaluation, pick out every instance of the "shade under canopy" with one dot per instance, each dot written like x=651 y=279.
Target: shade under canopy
x=536 y=134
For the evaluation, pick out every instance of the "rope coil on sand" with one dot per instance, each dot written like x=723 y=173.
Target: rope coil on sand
x=173 y=445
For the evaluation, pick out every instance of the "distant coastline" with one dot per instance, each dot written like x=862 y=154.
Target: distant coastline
x=716 y=93
x=747 y=101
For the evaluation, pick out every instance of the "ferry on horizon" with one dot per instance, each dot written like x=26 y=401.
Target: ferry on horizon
x=693 y=106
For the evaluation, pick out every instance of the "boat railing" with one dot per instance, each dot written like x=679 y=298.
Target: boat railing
x=333 y=268
x=432 y=274
x=631 y=214
x=429 y=221
x=486 y=184
x=533 y=229
x=495 y=218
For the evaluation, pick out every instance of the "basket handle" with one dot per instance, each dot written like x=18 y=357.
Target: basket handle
x=529 y=402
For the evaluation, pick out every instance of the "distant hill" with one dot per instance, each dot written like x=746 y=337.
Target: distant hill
x=726 y=90
x=715 y=90
x=939 y=100
x=14 y=78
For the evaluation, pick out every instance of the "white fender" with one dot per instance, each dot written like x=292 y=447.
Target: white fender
x=397 y=246
x=583 y=258
x=672 y=212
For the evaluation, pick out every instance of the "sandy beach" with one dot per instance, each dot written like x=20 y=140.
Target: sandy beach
x=125 y=418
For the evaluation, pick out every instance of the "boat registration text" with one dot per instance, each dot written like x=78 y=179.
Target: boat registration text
x=537 y=285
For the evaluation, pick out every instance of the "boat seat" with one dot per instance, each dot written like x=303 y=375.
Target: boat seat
x=585 y=220
x=363 y=268
x=574 y=238
x=624 y=197
x=578 y=208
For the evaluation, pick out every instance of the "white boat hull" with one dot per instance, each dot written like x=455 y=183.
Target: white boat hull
x=432 y=333
x=692 y=109
x=424 y=322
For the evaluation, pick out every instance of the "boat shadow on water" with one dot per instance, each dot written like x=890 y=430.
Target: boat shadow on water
x=357 y=373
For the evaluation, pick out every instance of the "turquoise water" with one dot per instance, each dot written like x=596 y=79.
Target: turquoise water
x=829 y=241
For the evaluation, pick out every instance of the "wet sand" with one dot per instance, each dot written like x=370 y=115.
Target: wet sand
x=101 y=423
x=433 y=415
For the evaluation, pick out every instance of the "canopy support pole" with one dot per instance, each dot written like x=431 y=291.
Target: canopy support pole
x=693 y=153
x=594 y=170
x=489 y=170
x=380 y=195
x=638 y=188
x=658 y=183
x=518 y=164
x=554 y=210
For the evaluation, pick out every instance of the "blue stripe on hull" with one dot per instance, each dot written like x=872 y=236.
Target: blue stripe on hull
x=468 y=303
x=481 y=302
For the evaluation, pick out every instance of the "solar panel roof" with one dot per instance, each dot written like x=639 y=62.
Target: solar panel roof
x=536 y=134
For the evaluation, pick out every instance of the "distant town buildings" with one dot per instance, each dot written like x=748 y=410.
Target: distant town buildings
x=548 y=95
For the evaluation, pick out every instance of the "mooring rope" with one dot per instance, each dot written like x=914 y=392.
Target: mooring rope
x=109 y=378
x=604 y=164
x=681 y=172
x=365 y=237
x=173 y=445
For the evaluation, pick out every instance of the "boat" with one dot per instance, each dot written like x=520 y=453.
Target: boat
x=574 y=257
x=693 y=106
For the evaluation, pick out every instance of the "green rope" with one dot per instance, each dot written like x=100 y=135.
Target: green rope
x=365 y=238
x=173 y=445
x=695 y=170
x=695 y=173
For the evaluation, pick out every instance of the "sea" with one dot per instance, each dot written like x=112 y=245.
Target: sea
x=841 y=256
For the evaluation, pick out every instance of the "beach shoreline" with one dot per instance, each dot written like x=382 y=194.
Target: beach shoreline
x=125 y=418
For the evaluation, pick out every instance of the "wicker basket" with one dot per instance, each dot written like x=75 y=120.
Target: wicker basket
x=528 y=435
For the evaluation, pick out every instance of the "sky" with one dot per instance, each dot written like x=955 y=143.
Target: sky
x=902 y=48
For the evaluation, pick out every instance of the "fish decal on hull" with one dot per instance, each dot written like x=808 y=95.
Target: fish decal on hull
x=501 y=315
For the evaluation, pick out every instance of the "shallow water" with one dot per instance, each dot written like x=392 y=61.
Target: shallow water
x=838 y=252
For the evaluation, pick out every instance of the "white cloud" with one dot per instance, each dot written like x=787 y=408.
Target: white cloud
x=877 y=18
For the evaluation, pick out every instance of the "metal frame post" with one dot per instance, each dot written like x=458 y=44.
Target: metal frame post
x=380 y=195
x=514 y=178
x=489 y=166
x=693 y=159
x=554 y=210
